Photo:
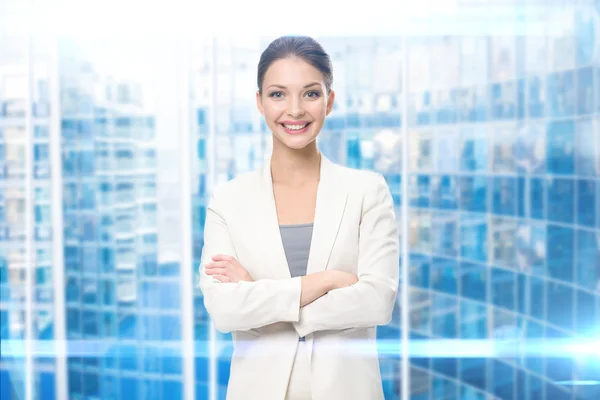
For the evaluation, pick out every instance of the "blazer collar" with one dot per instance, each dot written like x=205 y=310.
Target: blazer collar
x=330 y=206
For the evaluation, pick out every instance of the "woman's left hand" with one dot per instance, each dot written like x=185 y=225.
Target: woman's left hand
x=227 y=269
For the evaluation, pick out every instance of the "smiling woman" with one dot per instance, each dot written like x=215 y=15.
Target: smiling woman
x=300 y=258
x=294 y=90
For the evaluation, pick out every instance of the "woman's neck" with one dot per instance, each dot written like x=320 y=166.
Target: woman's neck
x=295 y=167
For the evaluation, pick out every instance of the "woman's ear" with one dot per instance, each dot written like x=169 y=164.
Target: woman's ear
x=259 y=103
x=330 y=100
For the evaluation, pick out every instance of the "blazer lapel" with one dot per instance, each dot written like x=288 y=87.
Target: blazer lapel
x=270 y=230
x=331 y=203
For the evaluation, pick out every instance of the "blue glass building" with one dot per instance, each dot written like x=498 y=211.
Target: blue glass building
x=501 y=132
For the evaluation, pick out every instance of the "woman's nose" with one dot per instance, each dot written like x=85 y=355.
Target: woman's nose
x=295 y=108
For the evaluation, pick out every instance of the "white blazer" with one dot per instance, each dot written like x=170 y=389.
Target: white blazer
x=355 y=230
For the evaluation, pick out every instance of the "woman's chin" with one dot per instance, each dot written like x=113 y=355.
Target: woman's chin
x=296 y=143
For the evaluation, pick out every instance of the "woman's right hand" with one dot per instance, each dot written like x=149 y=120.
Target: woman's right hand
x=318 y=284
x=341 y=279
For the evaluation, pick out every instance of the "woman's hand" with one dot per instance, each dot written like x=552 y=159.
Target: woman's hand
x=227 y=269
x=341 y=279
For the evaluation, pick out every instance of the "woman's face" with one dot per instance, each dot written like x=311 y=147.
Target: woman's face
x=294 y=102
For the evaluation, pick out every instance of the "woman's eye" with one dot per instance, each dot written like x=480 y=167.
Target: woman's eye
x=313 y=94
x=276 y=95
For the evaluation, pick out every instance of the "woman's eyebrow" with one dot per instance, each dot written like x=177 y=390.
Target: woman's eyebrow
x=306 y=86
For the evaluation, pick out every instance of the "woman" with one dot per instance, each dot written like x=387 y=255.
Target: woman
x=300 y=259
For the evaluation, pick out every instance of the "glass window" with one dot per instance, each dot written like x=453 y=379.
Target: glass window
x=473 y=237
x=90 y=291
x=44 y=325
x=560 y=144
x=149 y=264
x=503 y=58
x=421 y=103
x=585 y=153
x=560 y=200
x=537 y=291
x=585 y=91
x=420 y=231
x=170 y=297
x=128 y=358
x=106 y=259
x=89 y=229
x=88 y=259
x=88 y=196
x=504 y=100
x=72 y=289
x=170 y=328
x=151 y=390
x=444 y=275
x=40 y=152
x=444 y=320
x=73 y=323
x=473 y=372
x=473 y=320
x=537 y=97
x=474 y=68
x=446 y=153
x=420 y=151
x=530 y=149
x=503 y=156
x=561 y=94
x=90 y=323
x=588 y=259
x=504 y=232
x=109 y=325
x=151 y=327
x=420 y=190
x=503 y=379
x=128 y=325
x=587 y=314
x=42 y=215
x=586 y=202
x=505 y=325
x=420 y=311
x=91 y=384
x=560 y=252
x=151 y=359
x=444 y=106
x=172 y=389
x=75 y=386
x=505 y=195
x=150 y=295
x=597 y=89
x=472 y=193
x=530 y=243
x=535 y=331
x=473 y=281
x=560 y=305
x=86 y=163
x=444 y=192
x=129 y=388
x=503 y=288
x=445 y=234
x=170 y=364
x=444 y=388
x=470 y=393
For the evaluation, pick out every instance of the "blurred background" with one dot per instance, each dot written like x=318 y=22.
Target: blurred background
x=117 y=120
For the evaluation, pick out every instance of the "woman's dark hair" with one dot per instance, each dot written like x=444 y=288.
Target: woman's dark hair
x=303 y=47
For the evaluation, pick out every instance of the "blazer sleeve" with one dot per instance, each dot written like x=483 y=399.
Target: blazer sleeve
x=370 y=301
x=242 y=305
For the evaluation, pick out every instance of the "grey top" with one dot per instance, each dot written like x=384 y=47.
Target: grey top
x=296 y=243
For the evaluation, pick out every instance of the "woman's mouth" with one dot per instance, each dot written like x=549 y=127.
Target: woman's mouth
x=295 y=129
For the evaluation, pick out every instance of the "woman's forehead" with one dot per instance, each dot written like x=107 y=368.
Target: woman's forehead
x=292 y=72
